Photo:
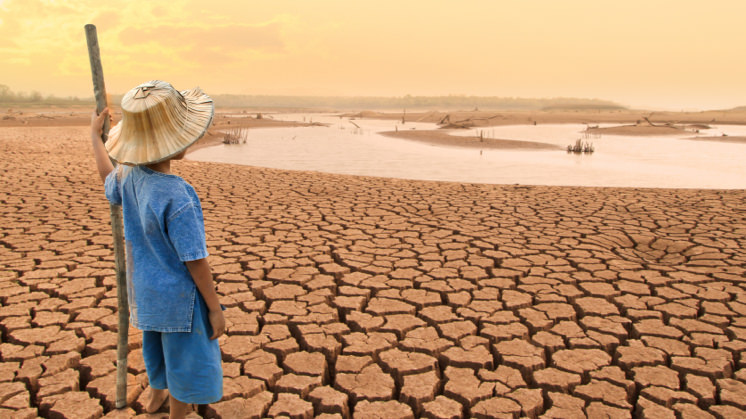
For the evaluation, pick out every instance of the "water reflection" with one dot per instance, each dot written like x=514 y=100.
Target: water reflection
x=343 y=148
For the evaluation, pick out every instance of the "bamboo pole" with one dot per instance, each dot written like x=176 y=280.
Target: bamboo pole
x=117 y=231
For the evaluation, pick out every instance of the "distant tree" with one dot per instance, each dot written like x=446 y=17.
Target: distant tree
x=5 y=94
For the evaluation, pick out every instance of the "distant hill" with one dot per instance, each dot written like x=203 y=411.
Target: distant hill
x=573 y=106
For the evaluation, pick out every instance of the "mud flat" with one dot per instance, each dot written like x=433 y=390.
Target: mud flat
x=358 y=295
x=722 y=139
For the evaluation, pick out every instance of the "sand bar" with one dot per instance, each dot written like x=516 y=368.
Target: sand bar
x=441 y=137
x=423 y=298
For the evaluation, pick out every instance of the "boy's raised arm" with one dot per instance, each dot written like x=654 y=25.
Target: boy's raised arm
x=99 y=150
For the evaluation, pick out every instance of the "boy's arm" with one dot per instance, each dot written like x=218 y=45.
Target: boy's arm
x=99 y=151
x=202 y=276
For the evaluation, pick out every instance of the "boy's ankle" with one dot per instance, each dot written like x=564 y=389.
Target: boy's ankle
x=177 y=409
x=157 y=398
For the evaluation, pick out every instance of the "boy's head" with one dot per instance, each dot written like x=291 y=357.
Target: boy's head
x=158 y=123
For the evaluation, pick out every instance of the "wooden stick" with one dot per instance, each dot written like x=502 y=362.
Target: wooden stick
x=117 y=231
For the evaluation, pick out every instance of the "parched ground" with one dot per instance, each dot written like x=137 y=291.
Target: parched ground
x=366 y=297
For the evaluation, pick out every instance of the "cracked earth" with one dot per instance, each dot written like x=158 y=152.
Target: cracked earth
x=366 y=297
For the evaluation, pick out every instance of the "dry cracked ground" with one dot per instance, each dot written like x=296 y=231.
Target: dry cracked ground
x=365 y=297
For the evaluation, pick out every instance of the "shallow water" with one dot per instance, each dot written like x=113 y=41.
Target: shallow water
x=669 y=162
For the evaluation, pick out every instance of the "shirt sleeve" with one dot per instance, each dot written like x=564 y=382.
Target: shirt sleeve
x=186 y=230
x=111 y=188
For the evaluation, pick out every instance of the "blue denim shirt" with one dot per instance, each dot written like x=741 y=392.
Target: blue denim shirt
x=163 y=228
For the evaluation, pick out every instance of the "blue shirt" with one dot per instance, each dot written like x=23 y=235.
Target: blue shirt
x=163 y=228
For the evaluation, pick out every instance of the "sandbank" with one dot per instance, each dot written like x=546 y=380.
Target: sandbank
x=638 y=130
x=443 y=137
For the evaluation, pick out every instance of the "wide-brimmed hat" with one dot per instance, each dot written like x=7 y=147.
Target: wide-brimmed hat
x=158 y=122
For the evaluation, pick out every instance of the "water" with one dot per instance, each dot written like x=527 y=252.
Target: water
x=666 y=162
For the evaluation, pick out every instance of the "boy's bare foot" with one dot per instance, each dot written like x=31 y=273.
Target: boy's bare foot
x=192 y=415
x=157 y=397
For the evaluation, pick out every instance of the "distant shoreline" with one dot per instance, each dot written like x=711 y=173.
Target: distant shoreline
x=629 y=123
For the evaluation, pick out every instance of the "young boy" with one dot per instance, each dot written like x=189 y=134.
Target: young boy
x=172 y=297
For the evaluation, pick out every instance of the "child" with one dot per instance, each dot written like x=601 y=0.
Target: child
x=171 y=294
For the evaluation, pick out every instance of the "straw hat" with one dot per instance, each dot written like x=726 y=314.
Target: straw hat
x=158 y=122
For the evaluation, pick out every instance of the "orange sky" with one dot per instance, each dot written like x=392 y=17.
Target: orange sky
x=675 y=54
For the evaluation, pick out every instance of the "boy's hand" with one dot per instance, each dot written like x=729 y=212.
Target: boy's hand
x=97 y=122
x=217 y=321
x=99 y=151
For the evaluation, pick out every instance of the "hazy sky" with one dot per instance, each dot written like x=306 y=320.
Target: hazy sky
x=676 y=54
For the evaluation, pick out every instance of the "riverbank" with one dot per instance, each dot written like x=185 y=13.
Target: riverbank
x=352 y=295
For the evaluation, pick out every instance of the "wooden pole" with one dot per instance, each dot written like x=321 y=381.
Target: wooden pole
x=117 y=231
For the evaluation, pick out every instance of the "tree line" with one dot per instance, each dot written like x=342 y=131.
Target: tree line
x=9 y=97
x=462 y=102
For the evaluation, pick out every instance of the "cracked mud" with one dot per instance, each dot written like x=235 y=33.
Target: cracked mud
x=367 y=297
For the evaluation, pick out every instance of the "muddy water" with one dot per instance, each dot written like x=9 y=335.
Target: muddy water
x=341 y=147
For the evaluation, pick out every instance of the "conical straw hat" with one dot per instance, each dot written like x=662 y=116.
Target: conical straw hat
x=158 y=122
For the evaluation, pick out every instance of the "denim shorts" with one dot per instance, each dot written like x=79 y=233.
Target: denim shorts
x=186 y=363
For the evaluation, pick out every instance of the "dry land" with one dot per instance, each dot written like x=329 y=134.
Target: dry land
x=387 y=298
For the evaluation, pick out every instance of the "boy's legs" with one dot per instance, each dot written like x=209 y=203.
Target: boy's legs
x=152 y=353
x=193 y=361
x=188 y=364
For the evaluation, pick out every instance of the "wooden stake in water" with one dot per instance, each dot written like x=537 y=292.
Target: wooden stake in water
x=117 y=231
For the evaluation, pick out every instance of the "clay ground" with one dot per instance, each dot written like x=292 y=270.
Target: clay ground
x=366 y=297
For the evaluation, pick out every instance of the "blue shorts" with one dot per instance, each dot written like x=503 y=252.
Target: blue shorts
x=186 y=363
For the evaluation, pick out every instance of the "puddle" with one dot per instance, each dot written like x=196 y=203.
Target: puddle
x=343 y=148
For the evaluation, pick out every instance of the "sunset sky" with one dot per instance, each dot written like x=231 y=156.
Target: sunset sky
x=673 y=54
